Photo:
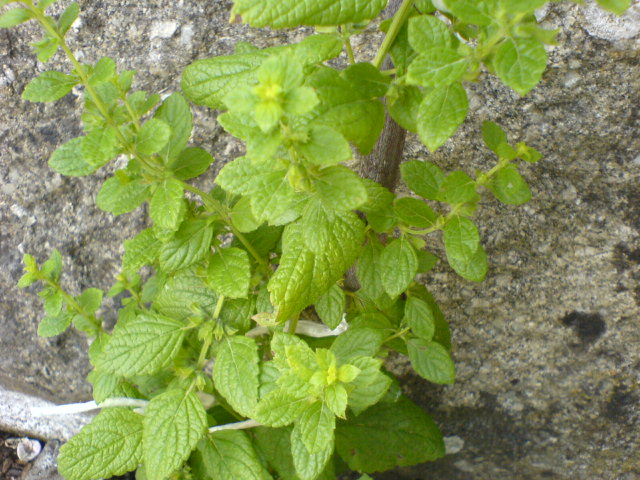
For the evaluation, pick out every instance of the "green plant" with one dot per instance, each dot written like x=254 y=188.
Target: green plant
x=235 y=350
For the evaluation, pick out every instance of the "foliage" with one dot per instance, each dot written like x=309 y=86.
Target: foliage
x=214 y=333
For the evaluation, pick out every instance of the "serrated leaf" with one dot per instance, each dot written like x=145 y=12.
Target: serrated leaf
x=331 y=306
x=398 y=265
x=120 y=197
x=110 y=445
x=431 y=361
x=99 y=147
x=427 y=32
x=420 y=318
x=339 y=188
x=293 y=13
x=437 y=67
x=153 y=136
x=401 y=52
x=509 y=187
x=457 y=188
x=104 y=71
x=493 y=135
x=191 y=163
x=48 y=86
x=324 y=146
x=616 y=6
x=315 y=427
x=369 y=274
x=520 y=63
x=399 y=426
x=167 y=206
x=414 y=212
x=141 y=250
x=69 y=160
x=174 y=422
x=14 y=17
x=90 y=300
x=235 y=373
x=464 y=251
x=309 y=466
x=143 y=346
x=182 y=293
x=279 y=408
x=175 y=112
x=357 y=342
x=52 y=325
x=105 y=385
x=67 y=18
x=227 y=455
x=369 y=386
x=424 y=178
x=378 y=207
x=442 y=333
x=470 y=11
x=368 y=79
x=188 y=245
x=441 y=112
x=403 y=107
x=242 y=216
x=230 y=272
x=52 y=268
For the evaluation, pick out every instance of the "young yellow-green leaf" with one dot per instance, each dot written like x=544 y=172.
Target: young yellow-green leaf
x=509 y=187
x=527 y=153
x=104 y=71
x=143 y=346
x=520 y=63
x=331 y=306
x=441 y=112
x=14 y=17
x=188 y=245
x=293 y=13
x=398 y=265
x=437 y=67
x=176 y=113
x=141 y=250
x=308 y=466
x=339 y=188
x=324 y=146
x=110 y=445
x=458 y=188
x=167 y=206
x=464 y=251
x=52 y=268
x=427 y=32
x=230 y=272
x=357 y=342
x=191 y=163
x=420 y=318
x=53 y=300
x=335 y=397
x=399 y=426
x=174 y=422
x=242 y=216
x=431 y=361
x=493 y=135
x=424 y=178
x=69 y=159
x=49 y=86
x=235 y=373
x=369 y=386
x=616 y=6
x=67 y=18
x=414 y=212
x=315 y=427
x=99 y=147
x=90 y=300
x=120 y=197
x=279 y=408
x=227 y=455
x=53 y=325
x=153 y=136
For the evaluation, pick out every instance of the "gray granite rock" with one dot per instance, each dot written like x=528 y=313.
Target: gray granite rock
x=547 y=348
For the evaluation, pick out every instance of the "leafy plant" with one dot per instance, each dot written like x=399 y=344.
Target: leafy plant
x=244 y=344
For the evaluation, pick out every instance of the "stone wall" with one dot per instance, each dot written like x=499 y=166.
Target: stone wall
x=547 y=348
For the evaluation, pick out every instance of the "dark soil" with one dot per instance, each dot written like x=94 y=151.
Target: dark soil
x=10 y=466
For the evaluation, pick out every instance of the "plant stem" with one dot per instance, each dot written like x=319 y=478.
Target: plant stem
x=235 y=426
x=294 y=324
x=396 y=24
x=347 y=44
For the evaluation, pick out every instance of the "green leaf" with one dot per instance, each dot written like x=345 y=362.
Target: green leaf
x=458 y=188
x=142 y=346
x=464 y=251
x=141 y=250
x=167 y=206
x=520 y=63
x=378 y=207
x=230 y=272
x=493 y=135
x=110 y=445
x=174 y=422
x=367 y=79
x=331 y=306
x=309 y=466
x=527 y=153
x=424 y=178
x=401 y=52
x=175 y=112
x=188 y=246
x=398 y=265
x=279 y=408
x=521 y=6
x=509 y=187
x=274 y=445
x=420 y=318
x=437 y=67
x=616 y=6
x=403 y=104
x=99 y=147
x=441 y=112
x=48 y=86
x=235 y=373
x=153 y=136
x=191 y=163
x=67 y=18
x=53 y=325
x=315 y=427
x=431 y=361
x=370 y=384
x=182 y=293
x=52 y=268
x=293 y=13
x=104 y=71
x=442 y=333
x=414 y=212
x=339 y=188
x=369 y=274
x=119 y=197
x=400 y=427
x=227 y=455
x=427 y=32
x=324 y=146
x=357 y=342
x=69 y=159
x=242 y=216
x=90 y=300
x=14 y=17
x=471 y=11
x=52 y=301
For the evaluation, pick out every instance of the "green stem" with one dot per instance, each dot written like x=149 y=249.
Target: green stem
x=218 y=309
x=347 y=44
x=396 y=24
x=202 y=358
x=294 y=324
x=401 y=333
x=71 y=302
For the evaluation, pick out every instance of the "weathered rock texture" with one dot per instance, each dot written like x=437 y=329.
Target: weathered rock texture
x=547 y=348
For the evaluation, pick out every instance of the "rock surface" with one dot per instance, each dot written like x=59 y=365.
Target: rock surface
x=547 y=348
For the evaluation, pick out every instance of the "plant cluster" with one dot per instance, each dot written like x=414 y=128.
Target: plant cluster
x=240 y=350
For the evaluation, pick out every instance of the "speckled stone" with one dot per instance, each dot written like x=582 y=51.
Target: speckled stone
x=547 y=348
